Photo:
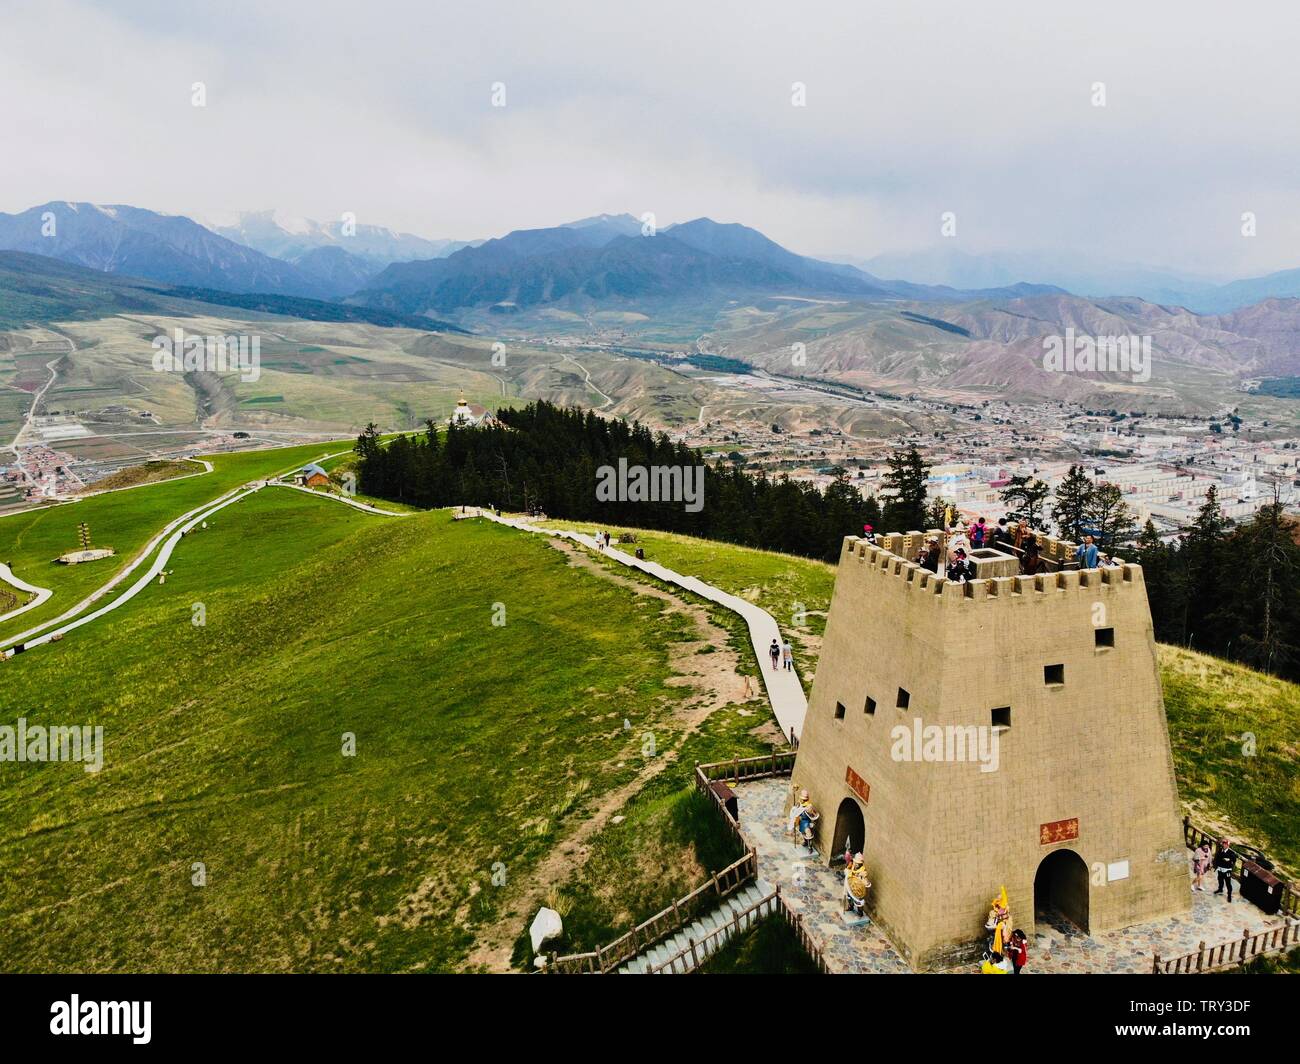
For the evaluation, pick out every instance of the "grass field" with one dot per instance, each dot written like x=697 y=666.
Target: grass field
x=770 y=948
x=124 y=520
x=796 y=591
x=1236 y=740
x=477 y=745
x=146 y=473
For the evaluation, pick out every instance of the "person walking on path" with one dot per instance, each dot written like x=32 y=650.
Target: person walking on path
x=1223 y=862
x=787 y=655
x=775 y=651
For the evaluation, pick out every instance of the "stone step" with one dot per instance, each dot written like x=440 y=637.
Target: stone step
x=702 y=931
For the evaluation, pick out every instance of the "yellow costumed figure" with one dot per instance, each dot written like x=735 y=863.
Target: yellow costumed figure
x=856 y=883
x=999 y=921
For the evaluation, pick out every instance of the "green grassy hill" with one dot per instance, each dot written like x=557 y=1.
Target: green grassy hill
x=30 y=540
x=1236 y=740
x=476 y=745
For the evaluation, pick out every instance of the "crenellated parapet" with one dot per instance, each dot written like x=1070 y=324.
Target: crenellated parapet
x=893 y=556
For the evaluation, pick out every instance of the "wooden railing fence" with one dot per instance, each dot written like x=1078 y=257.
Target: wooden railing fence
x=1227 y=954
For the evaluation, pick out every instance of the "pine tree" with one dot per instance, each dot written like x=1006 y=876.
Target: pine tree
x=1265 y=593
x=1109 y=517
x=1024 y=497
x=1205 y=570
x=904 y=509
x=1073 y=501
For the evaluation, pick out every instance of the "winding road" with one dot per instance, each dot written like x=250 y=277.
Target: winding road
x=167 y=538
x=42 y=593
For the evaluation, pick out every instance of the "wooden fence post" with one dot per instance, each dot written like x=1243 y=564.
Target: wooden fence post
x=695 y=960
x=1155 y=964
x=1200 y=956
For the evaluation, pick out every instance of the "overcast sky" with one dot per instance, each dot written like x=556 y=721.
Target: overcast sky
x=683 y=109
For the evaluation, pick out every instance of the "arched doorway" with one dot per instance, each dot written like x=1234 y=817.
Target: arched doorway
x=1061 y=888
x=850 y=831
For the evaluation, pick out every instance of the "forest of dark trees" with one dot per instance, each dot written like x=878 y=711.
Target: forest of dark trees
x=1233 y=591
x=546 y=457
x=1229 y=590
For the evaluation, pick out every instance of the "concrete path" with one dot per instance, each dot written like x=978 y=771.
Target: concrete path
x=338 y=498
x=784 y=692
x=41 y=593
x=175 y=529
x=159 y=562
x=706 y=935
x=121 y=575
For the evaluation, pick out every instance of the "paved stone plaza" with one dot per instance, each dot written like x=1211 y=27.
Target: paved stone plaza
x=816 y=891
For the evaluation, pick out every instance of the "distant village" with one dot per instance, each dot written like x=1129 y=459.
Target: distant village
x=1164 y=466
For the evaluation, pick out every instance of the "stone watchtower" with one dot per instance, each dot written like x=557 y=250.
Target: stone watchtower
x=1009 y=730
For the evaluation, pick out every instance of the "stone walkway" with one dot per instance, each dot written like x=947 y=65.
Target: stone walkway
x=784 y=691
x=810 y=888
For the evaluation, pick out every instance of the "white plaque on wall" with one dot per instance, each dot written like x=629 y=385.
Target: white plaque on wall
x=1116 y=870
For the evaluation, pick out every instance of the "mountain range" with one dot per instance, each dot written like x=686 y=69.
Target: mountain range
x=160 y=247
x=607 y=261
x=341 y=257
x=1082 y=274
x=604 y=262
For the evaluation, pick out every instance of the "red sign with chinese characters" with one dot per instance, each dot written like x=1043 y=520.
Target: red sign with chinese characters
x=1058 y=831
x=857 y=784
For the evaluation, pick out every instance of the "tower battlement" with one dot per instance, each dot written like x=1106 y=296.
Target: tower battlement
x=894 y=560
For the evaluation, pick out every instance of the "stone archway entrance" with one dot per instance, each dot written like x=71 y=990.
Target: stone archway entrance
x=1061 y=887
x=850 y=831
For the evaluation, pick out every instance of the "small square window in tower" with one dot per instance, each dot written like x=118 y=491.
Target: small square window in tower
x=839 y=710
x=1104 y=637
x=870 y=707
x=1054 y=675
x=1002 y=717
x=904 y=699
